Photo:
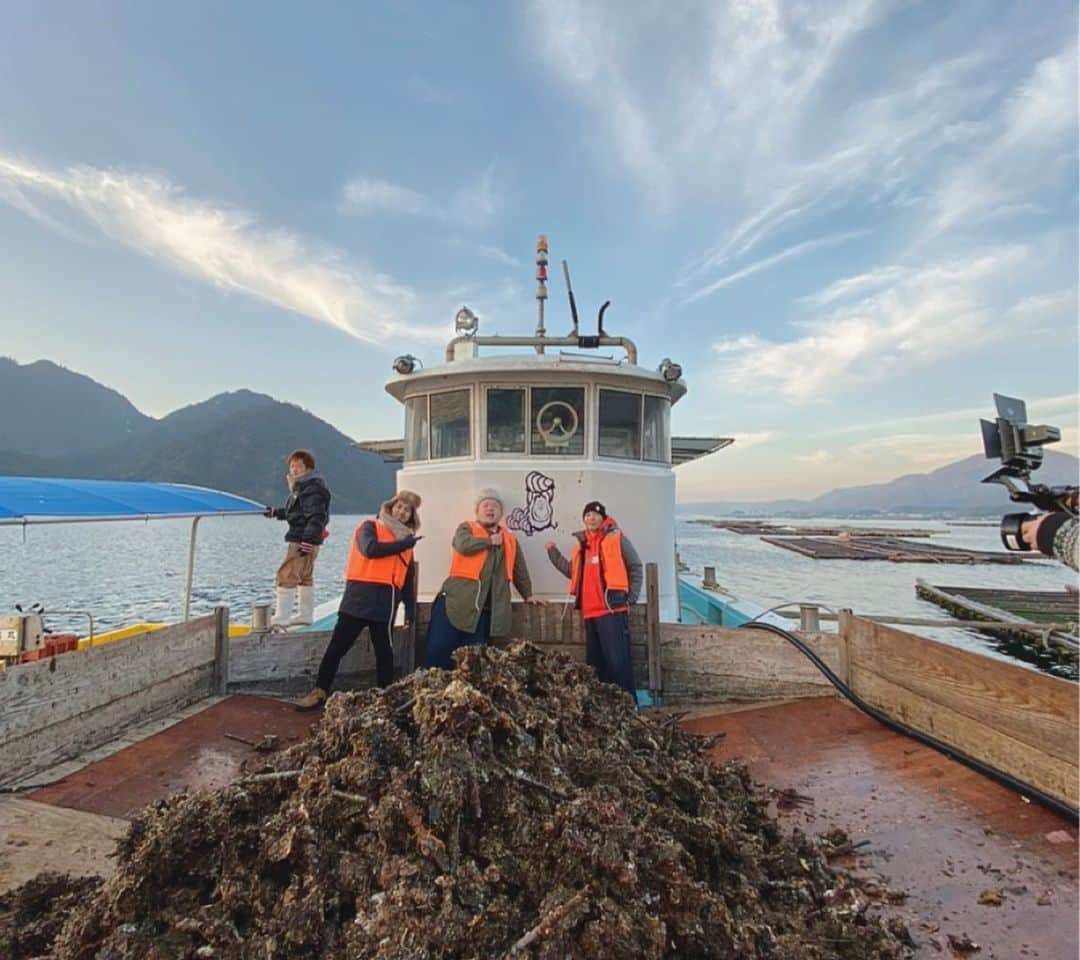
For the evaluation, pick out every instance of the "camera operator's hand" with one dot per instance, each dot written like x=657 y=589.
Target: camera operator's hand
x=1029 y=530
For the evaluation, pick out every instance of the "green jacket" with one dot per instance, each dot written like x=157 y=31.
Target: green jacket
x=466 y=598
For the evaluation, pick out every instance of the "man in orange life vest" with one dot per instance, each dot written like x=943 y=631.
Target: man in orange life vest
x=475 y=602
x=605 y=578
x=378 y=575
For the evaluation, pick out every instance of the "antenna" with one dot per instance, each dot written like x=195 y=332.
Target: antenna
x=541 y=286
x=570 y=294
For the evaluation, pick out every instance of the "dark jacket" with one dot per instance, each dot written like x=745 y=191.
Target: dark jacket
x=307 y=510
x=614 y=598
x=379 y=601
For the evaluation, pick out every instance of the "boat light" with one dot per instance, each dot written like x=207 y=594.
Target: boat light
x=466 y=322
x=406 y=364
x=670 y=371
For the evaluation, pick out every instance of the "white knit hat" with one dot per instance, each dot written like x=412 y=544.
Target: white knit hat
x=488 y=493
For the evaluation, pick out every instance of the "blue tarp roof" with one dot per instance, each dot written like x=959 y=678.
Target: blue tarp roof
x=25 y=499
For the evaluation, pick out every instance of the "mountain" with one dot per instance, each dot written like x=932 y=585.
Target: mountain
x=234 y=441
x=49 y=408
x=952 y=490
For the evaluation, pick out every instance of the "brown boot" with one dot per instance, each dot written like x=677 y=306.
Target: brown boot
x=313 y=700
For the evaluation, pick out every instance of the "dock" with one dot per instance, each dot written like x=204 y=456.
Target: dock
x=763 y=527
x=892 y=549
x=1049 y=617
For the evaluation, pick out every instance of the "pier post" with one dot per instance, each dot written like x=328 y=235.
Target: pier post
x=220 y=678
x=809 y=618
x=652 y=622
x=708 y=582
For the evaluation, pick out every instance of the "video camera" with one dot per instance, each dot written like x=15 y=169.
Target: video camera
x=1019 y=446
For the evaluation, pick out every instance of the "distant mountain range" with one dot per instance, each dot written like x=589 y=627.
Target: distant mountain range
x=58 y=423
x=952 y=490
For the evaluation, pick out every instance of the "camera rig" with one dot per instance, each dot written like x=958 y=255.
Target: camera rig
x=1019 y=446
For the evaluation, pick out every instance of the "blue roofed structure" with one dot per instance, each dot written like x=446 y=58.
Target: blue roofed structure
x=41 y=499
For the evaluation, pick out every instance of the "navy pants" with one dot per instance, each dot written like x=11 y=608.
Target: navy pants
x=607 y=650
x=444 y=638
x=346 y=632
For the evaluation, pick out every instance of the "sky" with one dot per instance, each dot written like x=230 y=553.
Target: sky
x=850 y=221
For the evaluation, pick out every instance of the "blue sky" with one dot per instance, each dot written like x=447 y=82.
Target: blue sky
x=850 y=221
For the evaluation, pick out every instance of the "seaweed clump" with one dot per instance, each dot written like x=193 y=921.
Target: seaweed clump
x=509 y=807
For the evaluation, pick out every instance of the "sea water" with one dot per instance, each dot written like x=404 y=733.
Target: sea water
x=134 y=571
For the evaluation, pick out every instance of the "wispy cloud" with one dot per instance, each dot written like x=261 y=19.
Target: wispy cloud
x=791 y=253
x=363 y=195
x=221 y=246
x=818 y=456
x=1033 y=139
x=473 y=204
x=930 y=312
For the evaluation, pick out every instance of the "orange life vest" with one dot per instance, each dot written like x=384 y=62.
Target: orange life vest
x=612 y=567
x=469 y=566
x=390 y=571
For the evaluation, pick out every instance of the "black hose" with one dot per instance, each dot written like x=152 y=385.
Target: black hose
x=1024 y=789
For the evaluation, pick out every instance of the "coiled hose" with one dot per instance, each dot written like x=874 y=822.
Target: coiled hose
x=1024 y=789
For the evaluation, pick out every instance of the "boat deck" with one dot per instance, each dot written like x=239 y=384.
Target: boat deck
x=936 y=830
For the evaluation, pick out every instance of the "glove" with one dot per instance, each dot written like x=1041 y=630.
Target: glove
x=306 y=548
x=269 y=512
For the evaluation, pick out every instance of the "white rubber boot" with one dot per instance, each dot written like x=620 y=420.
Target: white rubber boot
x=285 y=596
x=305 y=607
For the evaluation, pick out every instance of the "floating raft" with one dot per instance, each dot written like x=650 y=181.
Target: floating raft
x=1021 y=614
x=760 y=527
x=888 y=548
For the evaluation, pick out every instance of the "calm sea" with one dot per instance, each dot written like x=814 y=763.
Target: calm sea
x=134 y=571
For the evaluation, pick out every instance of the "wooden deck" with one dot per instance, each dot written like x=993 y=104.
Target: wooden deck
x=890 y=548
x=936 y=830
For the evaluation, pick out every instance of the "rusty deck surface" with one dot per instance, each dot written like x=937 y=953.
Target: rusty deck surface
x=936 y=830
x=191 y=754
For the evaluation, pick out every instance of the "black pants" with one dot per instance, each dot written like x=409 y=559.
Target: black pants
x=346 y=632
x=607 y=650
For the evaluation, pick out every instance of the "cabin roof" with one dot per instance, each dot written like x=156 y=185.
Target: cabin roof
x=535 y=368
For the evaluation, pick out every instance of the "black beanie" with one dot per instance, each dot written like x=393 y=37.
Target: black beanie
x=595 y=506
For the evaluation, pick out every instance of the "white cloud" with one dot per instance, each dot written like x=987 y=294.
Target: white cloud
x=473 y=204
x=818 y=456
x=363 y=195
x=747 y=441
x=1034 y=138
x=798 y=250
x=224 y=247
x=936 y=311
x=920 y=450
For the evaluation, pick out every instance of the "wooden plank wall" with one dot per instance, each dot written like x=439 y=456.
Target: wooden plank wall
x=706 y=664
x=286 y=663
x=1019 y=721
x=53 y=710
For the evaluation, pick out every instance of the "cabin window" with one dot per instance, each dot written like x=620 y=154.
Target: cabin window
x=505 y=420
x=557 y=422
x=656 y=432
x=416 y=428
x=450 y=431
x=620 y=425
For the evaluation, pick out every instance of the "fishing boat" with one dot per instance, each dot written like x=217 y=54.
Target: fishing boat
x=955 y=775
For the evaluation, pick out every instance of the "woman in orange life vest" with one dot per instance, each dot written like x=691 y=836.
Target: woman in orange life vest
x=605 y=578
x=378 y=576
x=475 y=603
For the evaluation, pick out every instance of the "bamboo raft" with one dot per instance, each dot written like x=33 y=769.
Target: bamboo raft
x=761 y=527
x=1019 y=614
x=888 y=548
